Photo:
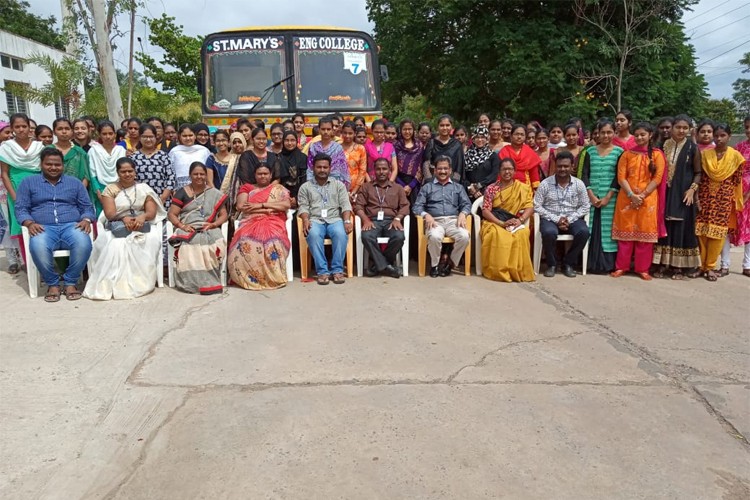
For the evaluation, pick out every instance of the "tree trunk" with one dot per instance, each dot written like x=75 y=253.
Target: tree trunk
x=623 y=60
x=105 y=62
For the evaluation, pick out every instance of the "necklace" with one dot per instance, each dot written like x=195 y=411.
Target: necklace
x=202 y=204
x=130 y=200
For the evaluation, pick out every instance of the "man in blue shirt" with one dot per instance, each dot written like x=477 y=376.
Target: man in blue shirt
x=444 y=205
x=58 y=213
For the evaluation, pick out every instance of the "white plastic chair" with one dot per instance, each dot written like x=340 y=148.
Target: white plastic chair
x=476 y=208
x=362 y=255
x=32 y=273
x=157 y=228
x=560 y=237
x=171 y=251
x=290 y=257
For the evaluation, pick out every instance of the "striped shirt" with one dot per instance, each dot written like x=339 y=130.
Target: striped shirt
x=45 y=203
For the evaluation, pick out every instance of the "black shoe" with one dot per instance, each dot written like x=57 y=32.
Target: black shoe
x=549 y=272
x=391 y=271
x=569 y=271
x=434 y=272
x=371 y=272
x=447 y=268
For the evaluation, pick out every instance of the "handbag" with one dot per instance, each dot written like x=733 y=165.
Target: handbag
x=119 y=230
x=503 y=215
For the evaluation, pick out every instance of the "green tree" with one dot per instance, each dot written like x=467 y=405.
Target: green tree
x=723 y=111
x=64 y=81
x=181 y=61
x=16 y=18
x=741 y=87
x=529 y=60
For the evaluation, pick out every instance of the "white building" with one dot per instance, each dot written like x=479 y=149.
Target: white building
x=14 y=50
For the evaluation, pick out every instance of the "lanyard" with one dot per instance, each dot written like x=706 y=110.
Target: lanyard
x=323 y=192
x=381 y=199
x=131 y=201
x=565 y=192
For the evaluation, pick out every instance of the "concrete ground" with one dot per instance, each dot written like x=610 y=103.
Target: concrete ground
x=418 y=388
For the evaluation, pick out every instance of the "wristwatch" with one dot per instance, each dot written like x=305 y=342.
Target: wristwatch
x=347 y=221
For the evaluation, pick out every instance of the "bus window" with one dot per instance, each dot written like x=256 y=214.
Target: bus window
x=334 y=73
x=236 y=79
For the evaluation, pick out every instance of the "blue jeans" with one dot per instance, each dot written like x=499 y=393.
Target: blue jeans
x=60 y=237
x=318 y=233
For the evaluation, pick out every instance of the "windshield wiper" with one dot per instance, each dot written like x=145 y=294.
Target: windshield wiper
x=267 y=93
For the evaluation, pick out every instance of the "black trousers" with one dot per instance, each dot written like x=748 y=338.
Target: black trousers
x=381 y=259
x=580 y=231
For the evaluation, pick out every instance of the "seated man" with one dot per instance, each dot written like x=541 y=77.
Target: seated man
x=58 y=212
x=326 y=213
x=382 y=206
x=562 y=202
x=444 y=205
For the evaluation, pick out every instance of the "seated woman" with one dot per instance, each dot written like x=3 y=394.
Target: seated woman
x=123 y=260
x=197 y=212
x=506 y=254
x=259 y=249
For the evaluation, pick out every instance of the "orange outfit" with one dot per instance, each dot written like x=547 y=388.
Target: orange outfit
x=356 y=158
x=642 y=223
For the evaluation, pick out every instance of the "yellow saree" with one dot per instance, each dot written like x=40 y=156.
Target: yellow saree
x=506 y=256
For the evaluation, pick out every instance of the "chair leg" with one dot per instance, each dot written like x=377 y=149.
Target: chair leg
x=467 y=259
x=350 y=257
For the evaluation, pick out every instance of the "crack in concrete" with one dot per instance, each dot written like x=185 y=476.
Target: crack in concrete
x=493 y=352
x=151 y=352
x=261 y=386
x=675 y=372
x=143 y=454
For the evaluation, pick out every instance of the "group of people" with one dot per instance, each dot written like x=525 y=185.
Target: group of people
x=669 y=199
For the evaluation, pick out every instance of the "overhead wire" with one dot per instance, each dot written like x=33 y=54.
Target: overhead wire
x=713 y=31
x=720 y=16
x=724 y=53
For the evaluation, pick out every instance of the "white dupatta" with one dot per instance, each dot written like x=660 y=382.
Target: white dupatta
x=12 y=154
x=102 y=164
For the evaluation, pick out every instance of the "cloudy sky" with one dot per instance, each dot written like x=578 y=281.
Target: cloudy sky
x=717 y=28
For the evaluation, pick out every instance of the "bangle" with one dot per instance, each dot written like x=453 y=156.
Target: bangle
x=693 y=186
x=629 y=194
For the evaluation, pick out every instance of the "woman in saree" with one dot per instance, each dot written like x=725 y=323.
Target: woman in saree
x=75 y=159
x=409 y=155
x=238 y=146
x=678 y=250
x=543 y=151
x=19 y=158
x=741 y=235
x=123 y=263
x=103 y=157
x=260 y=247
x=570 y=133
x=636 y=223
x=444 y=145
x=197 y=212
x=356 y=158
x=185 y=154
x=599 y=174
x=525 y=159
x=719 y=198
x=508 y=205
x=482 y=164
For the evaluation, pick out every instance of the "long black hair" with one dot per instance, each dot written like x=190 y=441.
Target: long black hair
x=650 y=129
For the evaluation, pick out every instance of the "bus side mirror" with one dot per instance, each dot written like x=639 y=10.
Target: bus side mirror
x=199 y=82
x=384 y=73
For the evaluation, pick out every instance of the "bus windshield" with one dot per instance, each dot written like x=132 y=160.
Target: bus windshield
x=334 y=72
x=239 y=70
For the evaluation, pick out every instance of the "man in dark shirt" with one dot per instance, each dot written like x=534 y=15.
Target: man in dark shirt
x=58 y=213
x=444 y=205
x=382 y=206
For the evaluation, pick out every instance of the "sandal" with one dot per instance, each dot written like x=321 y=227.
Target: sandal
x=710 y=276
x=339 y=279
x=746 y=272
x=323 y=279
x=724 y=272
x=14 y=269
x=617 y=274
x=52 y=296
x=661 y=273
x=645 y=276
x=695 y=273
x=73 y=295
x=677 y=275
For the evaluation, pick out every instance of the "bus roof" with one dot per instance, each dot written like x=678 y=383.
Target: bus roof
x=287 y=28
